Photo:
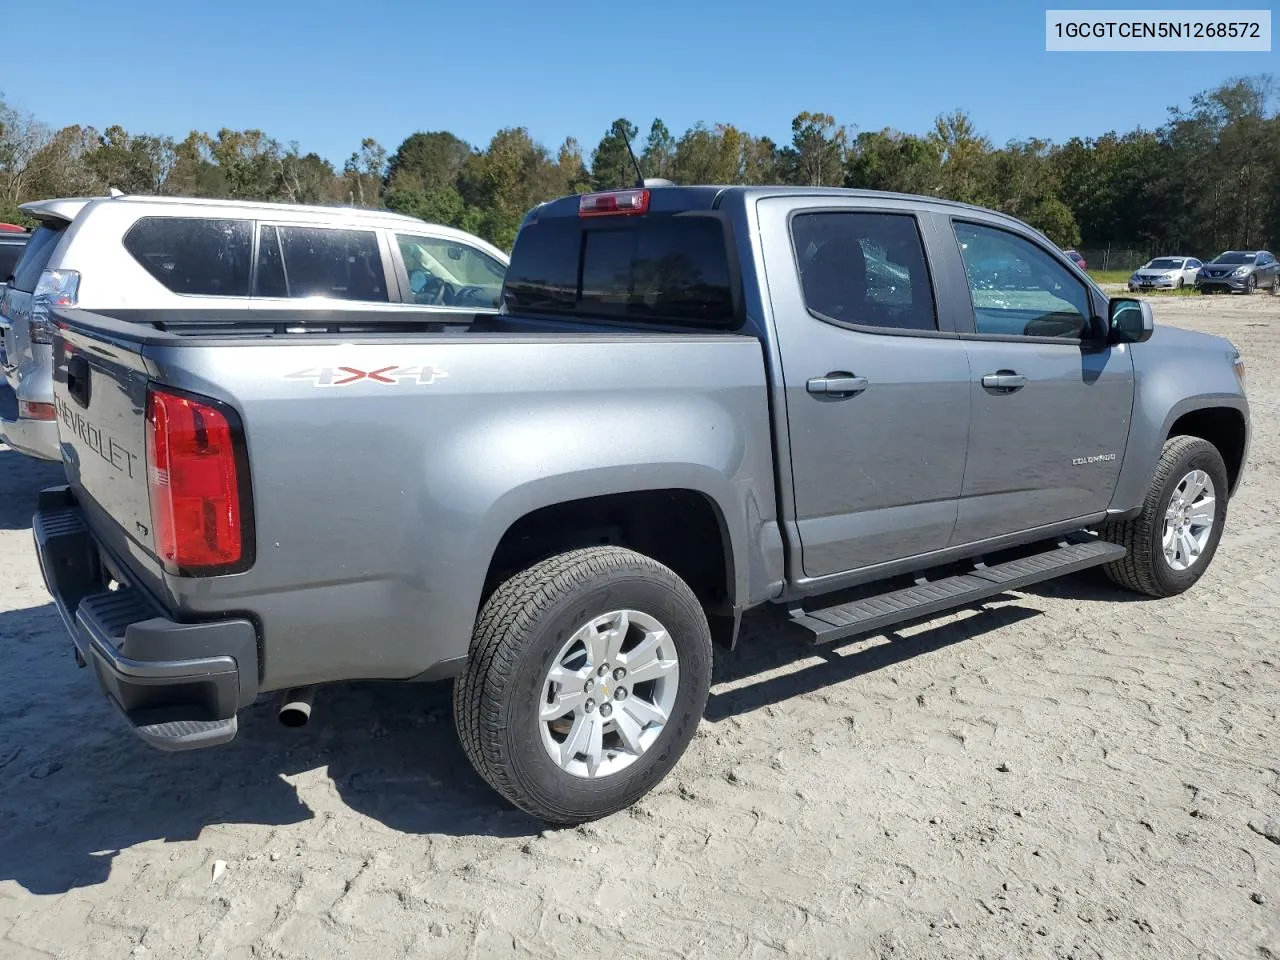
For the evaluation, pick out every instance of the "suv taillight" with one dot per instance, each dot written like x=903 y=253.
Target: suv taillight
x=194 y=483
x=55 y=288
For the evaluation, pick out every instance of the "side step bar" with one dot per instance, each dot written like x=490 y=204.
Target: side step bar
x=929 y=597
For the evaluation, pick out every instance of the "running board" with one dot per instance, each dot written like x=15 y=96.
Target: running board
x=930 y=597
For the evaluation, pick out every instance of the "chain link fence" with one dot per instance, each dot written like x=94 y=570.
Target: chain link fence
x=1115 y=258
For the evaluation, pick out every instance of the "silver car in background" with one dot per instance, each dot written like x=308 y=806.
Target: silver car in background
x=1165 y=273
x=167 y=253
x=1240 y=271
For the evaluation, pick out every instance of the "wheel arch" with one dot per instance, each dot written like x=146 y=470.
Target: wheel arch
x=684 y=527
x=1225 y=428
x=1221 y=419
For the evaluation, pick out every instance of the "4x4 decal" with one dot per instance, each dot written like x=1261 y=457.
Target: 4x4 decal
x=343 y=376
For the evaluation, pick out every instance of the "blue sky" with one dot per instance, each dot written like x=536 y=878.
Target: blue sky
x=327 y=73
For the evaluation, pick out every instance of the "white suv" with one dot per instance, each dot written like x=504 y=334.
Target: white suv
x=157 y=252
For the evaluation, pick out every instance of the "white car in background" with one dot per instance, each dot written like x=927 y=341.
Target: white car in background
x=158 y=253
x=1165 y=273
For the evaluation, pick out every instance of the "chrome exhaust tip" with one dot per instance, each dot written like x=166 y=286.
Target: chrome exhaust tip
x=295 y=706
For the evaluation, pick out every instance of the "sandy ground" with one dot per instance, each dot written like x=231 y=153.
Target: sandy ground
x=1070 y=773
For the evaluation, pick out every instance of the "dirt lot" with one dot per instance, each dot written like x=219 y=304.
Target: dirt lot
x=1070 y=773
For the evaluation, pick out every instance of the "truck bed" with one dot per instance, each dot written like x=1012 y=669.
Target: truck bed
x=387 y=457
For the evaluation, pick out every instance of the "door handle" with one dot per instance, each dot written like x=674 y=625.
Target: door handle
x=1004 y=380
x=837 y=385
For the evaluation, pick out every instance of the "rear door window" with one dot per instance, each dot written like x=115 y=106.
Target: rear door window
x=35 y=257
x=665 y=269
x=864 y=269
x=194 y=255
x=325 y=262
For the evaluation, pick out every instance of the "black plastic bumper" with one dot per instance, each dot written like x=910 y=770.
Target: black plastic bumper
x=179 y=685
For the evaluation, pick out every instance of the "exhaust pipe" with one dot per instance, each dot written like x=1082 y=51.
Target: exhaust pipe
x=295 y=706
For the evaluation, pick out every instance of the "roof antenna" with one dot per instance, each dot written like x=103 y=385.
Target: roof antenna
x=634 y=162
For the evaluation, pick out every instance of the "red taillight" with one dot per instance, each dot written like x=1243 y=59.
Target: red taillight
x=193 y=482
x=613 y=203
x=33 y=410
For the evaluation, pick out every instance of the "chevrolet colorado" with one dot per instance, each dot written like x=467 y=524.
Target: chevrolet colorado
x=861 y=408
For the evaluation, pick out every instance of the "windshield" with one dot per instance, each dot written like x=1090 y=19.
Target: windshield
x=1235 y=258
x=1164 y=263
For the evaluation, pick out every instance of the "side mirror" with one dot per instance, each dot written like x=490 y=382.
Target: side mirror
x=455 y=253
x=1129 y=320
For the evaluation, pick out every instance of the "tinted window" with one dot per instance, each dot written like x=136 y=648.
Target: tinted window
x=338 y=264
x=1234 y=258
x=192 y=255
x=35 y=257
x=1018 y=289
x=9 y=255
x=662 y=269
x=448 y=273
x=866 y=269
x=269 y=281
x=543 y=275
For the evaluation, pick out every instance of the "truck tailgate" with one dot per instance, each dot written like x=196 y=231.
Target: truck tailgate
x=100 y=390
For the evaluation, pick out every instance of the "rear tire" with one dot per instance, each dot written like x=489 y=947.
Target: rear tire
x=531 y=653
x=1147 y=567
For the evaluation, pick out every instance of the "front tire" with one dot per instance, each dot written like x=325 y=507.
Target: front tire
x=587 y=676
x=1250 y=285
x=1171 y=542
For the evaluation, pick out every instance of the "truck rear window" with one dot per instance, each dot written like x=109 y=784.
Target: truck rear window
x=660 y=269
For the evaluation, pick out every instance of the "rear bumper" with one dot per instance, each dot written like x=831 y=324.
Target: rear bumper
x=177 y=685
x=35 y=438
x=32 y=383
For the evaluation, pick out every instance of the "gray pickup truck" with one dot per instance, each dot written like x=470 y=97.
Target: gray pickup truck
x=860 y=408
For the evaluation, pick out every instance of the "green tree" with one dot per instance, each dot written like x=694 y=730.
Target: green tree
x=427 y=162
x=307 y=178
x=659 y=151
x=573 y=171
x=964 y=159
x=817 y=152
x=611 y=165
x=501 y=183
x=889 y=160
x=363 y=174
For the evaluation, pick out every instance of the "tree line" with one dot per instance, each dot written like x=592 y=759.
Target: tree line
x=1206 y=179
